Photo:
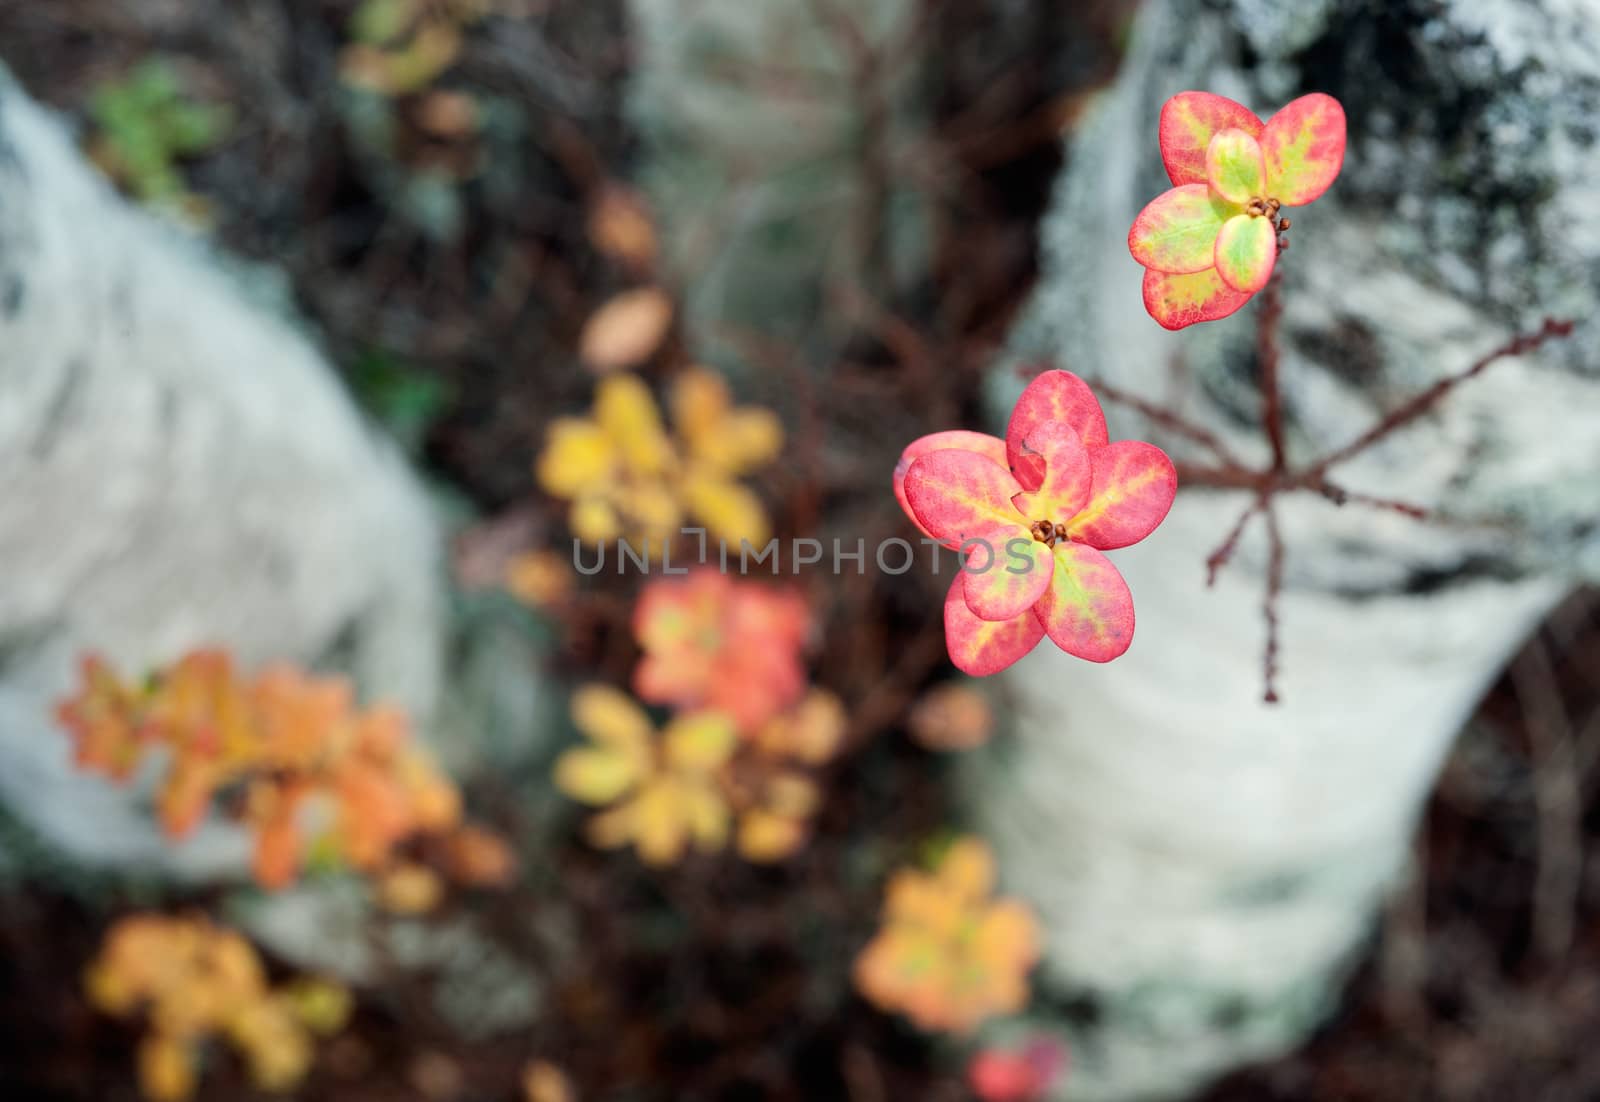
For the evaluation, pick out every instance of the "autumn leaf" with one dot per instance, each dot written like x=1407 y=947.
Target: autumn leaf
x=195 y=982
x=627 y=477
x=540 y=579
x=542 y=1081
x=727 y=644
x=409 y=889
x=1027 y=1073
x=950 y=956
x=660 y=791
x=627 y=330
x=1033 y=513
x=290 y=742
x=621 y=228
x=772 y=785
x=1212 y=241
x=953 y=716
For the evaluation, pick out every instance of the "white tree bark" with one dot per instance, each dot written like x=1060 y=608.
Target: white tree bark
x=181 y=468
x=1207 y=865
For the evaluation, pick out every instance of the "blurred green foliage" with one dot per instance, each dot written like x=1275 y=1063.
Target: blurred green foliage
x=402 y=396
x=382 y=21
x=145 y=123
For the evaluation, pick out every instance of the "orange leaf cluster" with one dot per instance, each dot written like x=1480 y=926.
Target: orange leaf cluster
x=317 y=778
x=712 y=641
x=195 y=981
x=949 y=956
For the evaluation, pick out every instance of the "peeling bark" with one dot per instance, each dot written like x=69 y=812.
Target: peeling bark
x=1208 y=865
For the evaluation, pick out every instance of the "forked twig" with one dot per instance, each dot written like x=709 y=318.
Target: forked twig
x=1552 y=329
x=1281 y=478
x=1162 y=417
x=1219 y=558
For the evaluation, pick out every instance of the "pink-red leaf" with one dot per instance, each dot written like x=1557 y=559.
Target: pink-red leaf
x=1013 y=577
x=1052 y=396
x=957 y=439
x=1064 y=486
x=1235 y=168
x=1134 y=484
x=981 y=647
x=1247 y=248
x=960 y=495
x=1304 y=148
x=1189 y=120
x=1177 y=230
x=1179 y=301
x=1087 y=611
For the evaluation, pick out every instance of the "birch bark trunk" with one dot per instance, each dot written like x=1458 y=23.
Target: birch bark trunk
x=181 y=468
x=1207 y=865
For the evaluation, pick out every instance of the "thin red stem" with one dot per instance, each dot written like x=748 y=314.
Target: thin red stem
x=1268 y=357
x=1269 y=607
x=1427 y=399
x=1219 y=558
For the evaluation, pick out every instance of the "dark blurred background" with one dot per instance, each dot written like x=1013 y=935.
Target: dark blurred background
x=438 y=239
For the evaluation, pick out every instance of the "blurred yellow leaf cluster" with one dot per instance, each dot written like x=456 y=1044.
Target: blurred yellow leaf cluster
x=661 y=788
x=772 y=784
x=402 y=46
x=628 y=477
x=695 y=783
x=196 y=981
x=318 y=777
x=949 y=956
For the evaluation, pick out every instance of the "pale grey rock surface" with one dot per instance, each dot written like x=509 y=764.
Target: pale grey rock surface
x=181 y=468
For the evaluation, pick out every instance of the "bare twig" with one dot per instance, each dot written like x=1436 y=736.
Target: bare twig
x=1340 y=496
x=1224 y=552
x=1162 y=417
x=1552 y=329
x=1269 y=606
x=1279 y=478
x=1267 y=359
